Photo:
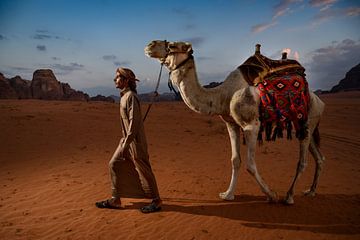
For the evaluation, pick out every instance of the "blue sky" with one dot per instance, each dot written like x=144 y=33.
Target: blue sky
x=83 y=42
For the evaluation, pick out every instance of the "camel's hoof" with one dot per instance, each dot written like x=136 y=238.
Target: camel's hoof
x=226 y=196
x=273 y=197
x=310 y=193
x=289 y=200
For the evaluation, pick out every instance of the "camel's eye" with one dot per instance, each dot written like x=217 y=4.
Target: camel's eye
x=171 y=48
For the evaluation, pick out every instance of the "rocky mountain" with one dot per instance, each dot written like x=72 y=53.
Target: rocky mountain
x=6 y=90
x=164 y=97
x=350 y=82
x=102 y=98
x=44 y=85
x=213 y=84
x=21 y=87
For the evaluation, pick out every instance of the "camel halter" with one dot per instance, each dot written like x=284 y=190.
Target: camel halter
x=170 y=85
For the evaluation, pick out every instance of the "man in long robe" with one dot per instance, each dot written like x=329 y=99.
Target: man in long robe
x=130 y=169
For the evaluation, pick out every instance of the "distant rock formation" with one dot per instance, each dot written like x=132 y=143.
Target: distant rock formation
x=164 y=97
x=213 y=84
x=102 y=98
x=169 y=96
x=116 y=98
x=350 y=82
x=44 y=85
x=73 y=95
x=22 y=87
x=320 y=92
x=6 y=91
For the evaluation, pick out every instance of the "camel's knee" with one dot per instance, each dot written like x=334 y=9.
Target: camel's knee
x=320 y=163
x=236 y=163
x=301 y=166
x=251 y=169
x=113 y=164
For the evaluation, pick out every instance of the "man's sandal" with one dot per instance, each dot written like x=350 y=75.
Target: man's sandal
x=107 y=204
x=153 y=207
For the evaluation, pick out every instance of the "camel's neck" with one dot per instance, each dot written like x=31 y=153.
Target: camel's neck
x=212 y=101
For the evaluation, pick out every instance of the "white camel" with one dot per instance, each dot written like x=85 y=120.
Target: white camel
x=236 y=102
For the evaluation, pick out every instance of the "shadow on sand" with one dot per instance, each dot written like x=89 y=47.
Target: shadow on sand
x=330 y=213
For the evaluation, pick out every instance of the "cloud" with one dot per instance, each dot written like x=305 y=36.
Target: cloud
x=183 y=12
x=109 y=57
x=296 y=56
x=115 y=61
x=64 y=69
x=328 y=65
x=262 y=27
x=291 y=54
x=190 y=26
x=121 y=63
x=352 y=11
x=281 y=9
x=41 y=48
x=203 y=58
x=327 y=11
x=2 y=37
x=321 y=3
x=195 y=41
x=42 y=36
x=24 y=72
x=45 y=35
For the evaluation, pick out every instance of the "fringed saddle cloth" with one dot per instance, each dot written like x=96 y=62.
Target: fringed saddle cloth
x=284 y=95
x=284 y=100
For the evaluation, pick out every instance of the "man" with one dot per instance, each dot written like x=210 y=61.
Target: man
x=132 y=147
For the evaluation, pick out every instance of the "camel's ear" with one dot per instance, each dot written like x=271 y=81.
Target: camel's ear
x=187 y=48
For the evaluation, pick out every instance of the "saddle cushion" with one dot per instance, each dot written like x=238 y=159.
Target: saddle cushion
x=284 y=102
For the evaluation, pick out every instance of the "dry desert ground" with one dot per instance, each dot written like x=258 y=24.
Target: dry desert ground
x=54 y=166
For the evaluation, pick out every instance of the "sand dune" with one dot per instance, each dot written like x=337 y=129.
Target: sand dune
x=54 y=157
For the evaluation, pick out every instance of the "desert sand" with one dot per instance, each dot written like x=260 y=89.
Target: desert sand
x=54 y=166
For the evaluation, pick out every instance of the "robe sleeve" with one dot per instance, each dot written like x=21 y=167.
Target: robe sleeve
x=134 y=114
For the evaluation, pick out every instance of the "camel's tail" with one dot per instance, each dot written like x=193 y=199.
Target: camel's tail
x=316 y=136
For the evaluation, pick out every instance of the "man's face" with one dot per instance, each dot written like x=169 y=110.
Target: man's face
x=120 y=82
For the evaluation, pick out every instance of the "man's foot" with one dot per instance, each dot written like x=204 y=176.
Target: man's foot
x=154 y=206
x=109 y=203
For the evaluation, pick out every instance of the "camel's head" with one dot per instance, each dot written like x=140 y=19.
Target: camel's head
x=169 y=53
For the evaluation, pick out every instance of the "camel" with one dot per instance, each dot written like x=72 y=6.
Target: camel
x=236 y=102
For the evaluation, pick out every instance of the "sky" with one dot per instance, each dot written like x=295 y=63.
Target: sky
x=83 y=42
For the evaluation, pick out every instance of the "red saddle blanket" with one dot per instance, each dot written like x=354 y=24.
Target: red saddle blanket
x=284 y=102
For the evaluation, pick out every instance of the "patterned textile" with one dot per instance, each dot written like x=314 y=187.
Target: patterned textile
x=284 y=102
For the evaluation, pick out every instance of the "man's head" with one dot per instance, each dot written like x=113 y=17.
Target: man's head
x=125 y=78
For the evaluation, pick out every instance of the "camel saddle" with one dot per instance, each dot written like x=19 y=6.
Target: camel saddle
x=258 y=67
x=284 y=94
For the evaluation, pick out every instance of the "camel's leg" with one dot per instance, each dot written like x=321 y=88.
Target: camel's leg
x=304 y=147
x=234 y=134
x=319 y=160
x=251 y=132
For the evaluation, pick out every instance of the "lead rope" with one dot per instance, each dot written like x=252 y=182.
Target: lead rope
x=172 y=89
x=155 y=93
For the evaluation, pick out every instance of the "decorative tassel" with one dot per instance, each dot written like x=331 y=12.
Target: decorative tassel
x=260 y=138
x=273 y=138
x=277 y=132
x=289 y=130
x=268 y=130
x=280 y=131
